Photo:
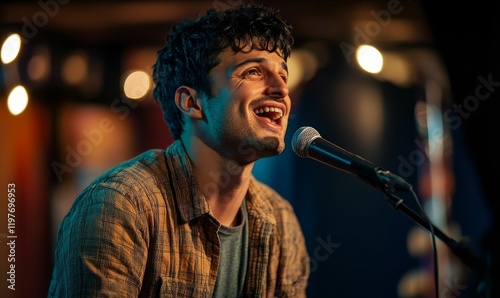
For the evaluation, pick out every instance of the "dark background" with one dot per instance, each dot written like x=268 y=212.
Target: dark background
x=466 y=37
x=357 y=242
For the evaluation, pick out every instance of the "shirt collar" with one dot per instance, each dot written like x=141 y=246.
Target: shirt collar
x=192 y=204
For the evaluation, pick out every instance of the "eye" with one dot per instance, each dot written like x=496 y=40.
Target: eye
x=251 y=72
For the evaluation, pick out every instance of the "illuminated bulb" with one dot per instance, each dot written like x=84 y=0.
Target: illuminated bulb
x=136 y=84
x=18 y=100
x=369 y=58
x=10 y=48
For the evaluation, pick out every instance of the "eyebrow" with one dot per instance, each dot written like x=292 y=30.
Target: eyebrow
x=257 y=60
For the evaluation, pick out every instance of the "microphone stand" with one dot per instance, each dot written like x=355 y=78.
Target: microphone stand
x=387 y=182
x=459 y=249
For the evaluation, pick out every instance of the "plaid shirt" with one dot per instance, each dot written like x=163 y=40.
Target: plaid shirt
x=143 y=229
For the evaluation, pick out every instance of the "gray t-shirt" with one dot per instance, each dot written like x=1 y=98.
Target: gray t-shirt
x=233 y=260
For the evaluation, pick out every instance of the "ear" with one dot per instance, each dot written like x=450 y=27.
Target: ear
x=188 y=102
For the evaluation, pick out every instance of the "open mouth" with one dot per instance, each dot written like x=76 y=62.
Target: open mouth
x=272 y=114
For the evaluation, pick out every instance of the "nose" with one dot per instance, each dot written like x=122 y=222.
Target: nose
x=277 y=87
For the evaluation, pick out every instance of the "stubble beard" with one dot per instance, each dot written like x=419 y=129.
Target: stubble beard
x=241 y=144
x=250 y=150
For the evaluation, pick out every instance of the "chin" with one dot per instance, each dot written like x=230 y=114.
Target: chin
x=250 y=151
x=272 y=146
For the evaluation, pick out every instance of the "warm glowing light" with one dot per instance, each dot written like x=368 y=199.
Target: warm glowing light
x=75 y=69
x=296 y=68
x=18 y=100
x=137 y=84
x=369 y=58
x=302 y=66
x=397 y=69
x=38 y=67
x=10 y=48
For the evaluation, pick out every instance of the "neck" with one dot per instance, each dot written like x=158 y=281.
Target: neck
x=222 y=181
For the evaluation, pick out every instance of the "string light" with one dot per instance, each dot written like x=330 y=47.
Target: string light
x=10 y=48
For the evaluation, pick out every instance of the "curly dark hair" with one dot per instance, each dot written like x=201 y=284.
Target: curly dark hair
x=193 y=48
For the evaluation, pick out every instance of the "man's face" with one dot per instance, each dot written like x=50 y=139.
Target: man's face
x=248 y=114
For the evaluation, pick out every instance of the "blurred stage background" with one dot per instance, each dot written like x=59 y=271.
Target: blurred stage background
x=429 y=116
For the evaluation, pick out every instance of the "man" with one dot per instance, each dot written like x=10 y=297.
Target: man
x=191 y=220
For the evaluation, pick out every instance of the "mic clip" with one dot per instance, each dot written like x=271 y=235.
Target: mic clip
x=394 y=182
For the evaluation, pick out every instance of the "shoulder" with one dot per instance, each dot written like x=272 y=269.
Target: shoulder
x=145 y=167
x=269 y=194
x=270 y=204
x=138 y=177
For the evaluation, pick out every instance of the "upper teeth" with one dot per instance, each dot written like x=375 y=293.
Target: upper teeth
x=270 y=109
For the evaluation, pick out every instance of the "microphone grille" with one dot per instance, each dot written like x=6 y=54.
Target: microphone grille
x=302 y=138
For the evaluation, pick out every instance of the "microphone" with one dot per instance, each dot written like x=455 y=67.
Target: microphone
x=307 y=142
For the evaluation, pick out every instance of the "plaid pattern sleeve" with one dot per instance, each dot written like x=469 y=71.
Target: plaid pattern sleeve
x=130 y=234
x=103 y=242
x=102 y=247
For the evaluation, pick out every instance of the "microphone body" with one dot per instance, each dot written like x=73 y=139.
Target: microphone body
x=307 y=142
